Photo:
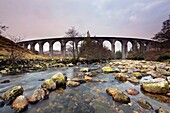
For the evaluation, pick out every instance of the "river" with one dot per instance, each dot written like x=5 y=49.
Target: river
x=90 y=97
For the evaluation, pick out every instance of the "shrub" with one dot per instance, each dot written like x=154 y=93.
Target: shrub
x=163 y=57
x=137 y=55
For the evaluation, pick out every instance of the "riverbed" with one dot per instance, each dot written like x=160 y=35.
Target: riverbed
x=90 y=97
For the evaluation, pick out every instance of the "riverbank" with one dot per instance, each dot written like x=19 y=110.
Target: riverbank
x=32 y=65
x=122 y=86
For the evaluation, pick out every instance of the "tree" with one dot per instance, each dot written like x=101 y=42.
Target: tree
x=72 y=32
x=92 y=50
x=3 y=28
x=164 y=35
x=15 y=52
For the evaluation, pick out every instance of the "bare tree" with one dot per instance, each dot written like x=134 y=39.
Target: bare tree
x=72 y=32
x=3 y=28
x=15 y=51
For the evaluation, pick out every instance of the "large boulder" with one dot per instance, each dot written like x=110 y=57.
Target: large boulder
x=20 y=103
x=72 y=83
x=158 y=85
x=107 y=69
x=49 y=84
x=59 y=78
x=121 y=77
x=39 y=94
x=118 y=95
x=12 y=93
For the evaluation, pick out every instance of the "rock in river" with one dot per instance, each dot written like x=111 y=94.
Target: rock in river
x=2 y=103
x=158 y=85
x=72 y=83
x=49 y=84
x=132 y=91
x=59 y=78
x=118 y=95
x=120 y=77
x=20 y=103
x=11 y=94
x=38 y=94
x=107 y=69
x=85 y=70
x=145 y=104
x=137 y=75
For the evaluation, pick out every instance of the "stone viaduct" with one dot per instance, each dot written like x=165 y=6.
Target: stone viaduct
x=137 y=44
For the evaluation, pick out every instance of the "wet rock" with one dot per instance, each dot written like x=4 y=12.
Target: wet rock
x=145 y=104
x=133 y=80
x=20 y=103
x=134 y=112
x=39 y=94
x=158 y=85
x=161 y=110
x=168 y=79
x=118 y=95
x=120 y=77
x=116 y=70
x=12 y=93
x=41 y=79
x=107 y=69
x=137 y=75
x=2 y=103
x=70 y=65
x=132 y=91
x=49 y=84
x=91 y=74
x=59 y=78
x=81 y=81
x=5 y=81
x=72 y=83
x=121 y=97
x=85 y=70
x=87 y=78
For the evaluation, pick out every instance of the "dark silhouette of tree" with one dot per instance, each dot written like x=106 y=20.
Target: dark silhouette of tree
x=164 y=35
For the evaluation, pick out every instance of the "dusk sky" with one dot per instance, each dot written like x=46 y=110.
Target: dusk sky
x=50 y=18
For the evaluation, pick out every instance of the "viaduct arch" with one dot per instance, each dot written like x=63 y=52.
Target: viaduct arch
x=145 y=45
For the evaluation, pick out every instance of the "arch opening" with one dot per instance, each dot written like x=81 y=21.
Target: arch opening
x=46 y=48
x=107 y=44
x=118 y=50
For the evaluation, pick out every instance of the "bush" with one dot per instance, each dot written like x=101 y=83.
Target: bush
x=163 y=57
x=137 y=55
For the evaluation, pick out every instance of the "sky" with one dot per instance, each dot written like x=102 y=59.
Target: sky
x=33 y=19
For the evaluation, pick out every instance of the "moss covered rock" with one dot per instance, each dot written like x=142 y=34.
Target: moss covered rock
x=12 y=93
x=38 y=94
x=49 y=84
x=107 y=69
x=85 y=70
x=120 y=77
x=59 y=78
x=158 y=85
x=137 y=74
x=118 y=95
x=72 y=83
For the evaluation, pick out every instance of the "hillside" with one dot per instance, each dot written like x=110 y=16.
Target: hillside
x=7 y=45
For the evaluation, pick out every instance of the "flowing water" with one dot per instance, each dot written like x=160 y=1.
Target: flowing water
x=90 y=97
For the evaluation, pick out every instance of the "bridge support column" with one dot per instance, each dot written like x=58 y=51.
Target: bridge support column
x=41 y=47
x=142 y=47
x=124 y=49
x=113 y=47
x=134 y=46
x=63 y=49
x=51 y=48
x=148 y=46
x=32 y=48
